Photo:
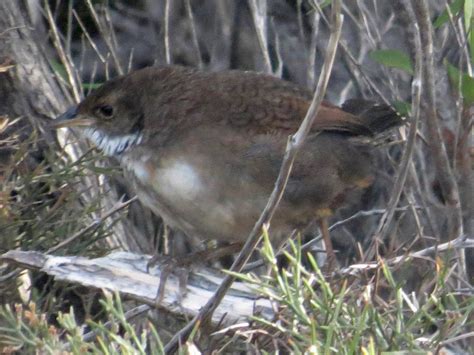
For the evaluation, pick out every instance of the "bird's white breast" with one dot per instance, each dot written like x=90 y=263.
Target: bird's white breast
x=173 y=179
x=180 y=178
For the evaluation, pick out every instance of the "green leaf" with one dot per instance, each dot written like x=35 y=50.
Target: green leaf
x=91 y=86
x=469 y=24
x=325 y=3
x=468 y=15
x=402 y=107
x=455 y=8
x=59 y=69
x=467 y=83
x=393 y=58
x=471 y=38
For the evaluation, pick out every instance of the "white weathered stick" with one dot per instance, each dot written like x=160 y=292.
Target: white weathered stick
x=127 y=273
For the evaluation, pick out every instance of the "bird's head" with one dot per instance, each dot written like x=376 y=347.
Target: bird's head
x=112 y=117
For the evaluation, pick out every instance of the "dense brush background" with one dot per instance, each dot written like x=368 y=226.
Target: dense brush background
x=52 y=53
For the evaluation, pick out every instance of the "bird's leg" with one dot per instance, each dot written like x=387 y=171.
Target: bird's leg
x=217 y=252
x=323 y=215
x=181 y=266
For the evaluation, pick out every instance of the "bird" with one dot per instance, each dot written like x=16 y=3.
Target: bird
x=203 y=149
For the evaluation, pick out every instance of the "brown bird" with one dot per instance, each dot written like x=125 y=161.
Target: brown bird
x=203 y=149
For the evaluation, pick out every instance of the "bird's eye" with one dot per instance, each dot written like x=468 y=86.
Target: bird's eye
x=105 y=111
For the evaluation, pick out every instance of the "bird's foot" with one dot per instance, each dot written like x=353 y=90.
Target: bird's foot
x=182 y=266
x=171 y=266
x=331 y=264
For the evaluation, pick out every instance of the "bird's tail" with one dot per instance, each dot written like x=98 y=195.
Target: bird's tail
x=377 y=118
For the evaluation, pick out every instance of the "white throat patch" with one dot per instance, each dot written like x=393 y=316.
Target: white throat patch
x=112 y=145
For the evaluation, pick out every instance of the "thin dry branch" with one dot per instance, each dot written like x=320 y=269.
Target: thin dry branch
x=88 y=36
x=167 y=32
x=353 y=63
x=402 y=172
x=94 y=225
x=313 y=50
x=445 y=174
x=189 y=11
x=259 y=15
x=106 y=35
x=294 y=144
x=459 y=243
x=67 y=62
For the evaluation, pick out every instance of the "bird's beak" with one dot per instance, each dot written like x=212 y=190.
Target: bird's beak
x=70 y=118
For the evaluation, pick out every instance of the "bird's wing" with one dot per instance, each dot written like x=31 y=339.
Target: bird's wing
x=270 y=105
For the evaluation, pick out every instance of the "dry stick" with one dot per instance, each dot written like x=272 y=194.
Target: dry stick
x=95 y=224
x=458 y=30
x=88 y=36
x=313 y=51
x=69 y=27
x=402 y=172
x=466 y=183
x=167 y=32
x=62 y=54
x=110 y=28
x=259 y=15
x=106 y=36
x=309 y=246
x=294 y=144
x=189 y=11
x=462 y=159
x=444 y=173
x=128 y=316
x=455 y=244
x=353 y=62
x=279 y=68
x=462 y=38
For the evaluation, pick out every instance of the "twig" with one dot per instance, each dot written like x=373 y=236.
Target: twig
x=88 y=36
x=455 y=244
x=129 y=315
x=352 y=62
x=457 y=338
x=279 y=67
x=461 y=38
x=189 y=11
x=294 y=144
x=167 y=32
x=259 y=15
x=402 y=173
x=108 y=39
x=309 y=246
x=313 y=50
x=95 y=224
x=62 y=54
x=445 y=175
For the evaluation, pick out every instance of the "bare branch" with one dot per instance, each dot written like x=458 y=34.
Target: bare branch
x=167 y=32
x=107 y=36
x=259 y=14
x=445 y=175
x=94 y=225
x=456 y=244
x=67 y=62
x=402 y=172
